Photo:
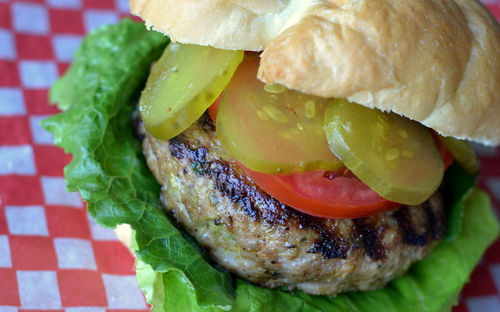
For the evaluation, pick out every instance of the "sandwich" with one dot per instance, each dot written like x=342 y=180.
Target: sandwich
x=289 y=155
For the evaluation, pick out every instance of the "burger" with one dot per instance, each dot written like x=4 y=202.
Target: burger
x=289 y=155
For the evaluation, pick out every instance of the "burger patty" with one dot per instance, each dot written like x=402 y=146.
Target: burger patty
x=266 y=242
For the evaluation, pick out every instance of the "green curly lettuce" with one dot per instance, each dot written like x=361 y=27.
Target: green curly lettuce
x=432 y=284
x=108 y=169
x=98 y=95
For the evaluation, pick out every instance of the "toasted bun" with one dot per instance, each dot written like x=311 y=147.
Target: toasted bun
x=437 y=62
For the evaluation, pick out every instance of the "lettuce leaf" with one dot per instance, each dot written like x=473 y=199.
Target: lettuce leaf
x=99 y=93
x=455 y=191
x=432 y=284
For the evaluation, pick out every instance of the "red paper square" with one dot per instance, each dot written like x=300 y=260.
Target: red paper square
x=494 y=9
x=20 y=190
x=34 y=47
x=480 y=284
x=37 y=102
x=81 y=288
x=461 y=307
x=10 y=75
x=489 y=167
x=4 y=16
x=492 y=256
x=132 y=17
x=14 y=130
x=113 y=258
x=62 y=68
x=50 y=160
x=99 y=4
x=67 y=222
x=8 y=288
x=66 y=21
x=3 y=221
x=32 y=253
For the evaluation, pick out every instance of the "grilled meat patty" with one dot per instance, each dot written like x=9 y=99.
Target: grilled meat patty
x=264 y=241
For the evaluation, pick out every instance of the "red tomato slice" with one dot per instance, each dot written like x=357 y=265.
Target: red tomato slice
x=212 y=110
x=325 y=193
x=445 y=153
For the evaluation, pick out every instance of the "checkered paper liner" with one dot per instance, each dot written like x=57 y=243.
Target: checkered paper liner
x=53 y=257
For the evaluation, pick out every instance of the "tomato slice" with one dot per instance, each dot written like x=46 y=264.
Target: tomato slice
x=329 y=194
x=446 y=155
x=326 y=194
x=272 y=129
x=212 y=110
x=319 y=193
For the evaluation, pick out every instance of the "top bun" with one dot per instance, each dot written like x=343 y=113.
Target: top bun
x=437 y=62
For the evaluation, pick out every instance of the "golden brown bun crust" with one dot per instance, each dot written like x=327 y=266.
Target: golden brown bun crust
x=437 y=62
x=226 y=24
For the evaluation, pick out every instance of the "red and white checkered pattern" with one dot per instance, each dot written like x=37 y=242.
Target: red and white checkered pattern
x=52 y=256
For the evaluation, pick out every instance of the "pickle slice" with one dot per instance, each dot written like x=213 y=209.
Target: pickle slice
x=184 y=82
x=394 y=156
x=463 y=153
x=271 y=129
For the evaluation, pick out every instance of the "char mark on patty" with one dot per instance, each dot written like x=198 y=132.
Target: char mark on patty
x=371 y=235
x=429 y=229
x=330 y=246
x=230 y=180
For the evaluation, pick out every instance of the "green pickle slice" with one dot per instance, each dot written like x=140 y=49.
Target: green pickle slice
x=271 y=129
x=184 y=82
x=393 y=155
x=463 y=153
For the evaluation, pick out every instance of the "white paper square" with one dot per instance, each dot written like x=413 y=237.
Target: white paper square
x=495 y=274
x=96 y=18
x=54 y=191
x=482 y=150
x=483 y=304
x=30 y=18
x=17 y=160
x=7 y=46
x=65 y=46
x=101 y=233
x=122 y=5
x=6 y=308
x=40 y=135
x=34 y=285
x=5 y=260
x=26 y=220
x=73 y=253
x=37 y=74
x=67 y=4
x=11 y=102
x=122 y=292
